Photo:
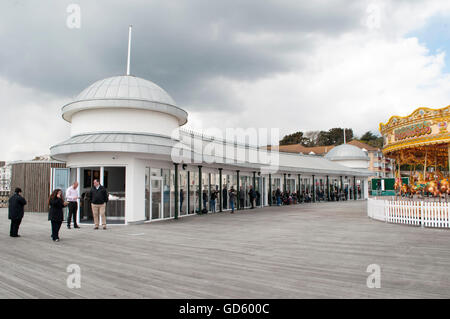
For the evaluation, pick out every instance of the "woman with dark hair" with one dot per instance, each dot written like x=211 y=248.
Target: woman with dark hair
x=56 y=204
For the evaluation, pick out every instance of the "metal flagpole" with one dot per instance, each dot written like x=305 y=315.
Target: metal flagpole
x=129 y=48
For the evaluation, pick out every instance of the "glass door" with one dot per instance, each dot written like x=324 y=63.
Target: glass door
x=264 y=192
x=156 y=197
x=258 y=191
x=193 y=192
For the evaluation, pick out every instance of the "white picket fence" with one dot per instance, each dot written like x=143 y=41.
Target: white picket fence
x=418 y=213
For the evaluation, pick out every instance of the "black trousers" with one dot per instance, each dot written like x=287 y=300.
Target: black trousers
x=14 y=230
x=56 y=225
x=73 y=207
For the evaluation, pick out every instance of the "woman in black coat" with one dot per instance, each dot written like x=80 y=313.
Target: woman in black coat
x=55 y=213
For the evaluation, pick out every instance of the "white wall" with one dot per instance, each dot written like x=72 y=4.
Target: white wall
x=366 y=188
x=123 y=120
x=98 y=159
x=354 y=163
x=135 y=194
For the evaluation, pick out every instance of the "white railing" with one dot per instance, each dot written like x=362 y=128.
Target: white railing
x=418 y=213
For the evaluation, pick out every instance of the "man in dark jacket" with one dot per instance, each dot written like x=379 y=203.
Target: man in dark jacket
x=212 y=200
x=99 y=198
x=252 y=195
x=181 y=200
x=15 y=211
x=224 y=197
x=258 y=198
x=278 y=196
x=241 y=196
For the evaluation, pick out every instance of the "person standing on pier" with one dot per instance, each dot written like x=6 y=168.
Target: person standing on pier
x=72 y=196
x=99 y=198
x=252 y=195
x=56 y=204
x=278 y=196
x=241 y=196
x=16 y=205
x=224 y=197
x=181 y=200
x=232 y=199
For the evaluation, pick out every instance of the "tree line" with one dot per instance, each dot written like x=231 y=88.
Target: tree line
x=334 y=136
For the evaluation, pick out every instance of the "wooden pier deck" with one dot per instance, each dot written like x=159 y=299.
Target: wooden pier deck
x=305 y=251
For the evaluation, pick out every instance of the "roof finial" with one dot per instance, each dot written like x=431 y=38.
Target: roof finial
x=129 y=47
x=345 y=141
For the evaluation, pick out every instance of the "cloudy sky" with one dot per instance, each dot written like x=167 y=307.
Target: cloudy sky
x=293 y=65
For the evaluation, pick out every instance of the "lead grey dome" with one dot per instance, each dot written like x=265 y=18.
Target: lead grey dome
x=346 y=152
x=124 y=91
x=126 y=86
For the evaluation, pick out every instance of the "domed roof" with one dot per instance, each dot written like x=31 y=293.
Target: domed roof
x=346 y=152
x=124 y=91
x=128 y=87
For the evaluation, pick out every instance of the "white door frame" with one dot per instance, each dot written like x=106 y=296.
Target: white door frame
x=160 y=179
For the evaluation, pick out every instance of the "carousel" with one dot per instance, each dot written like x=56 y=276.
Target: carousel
x=419 y=144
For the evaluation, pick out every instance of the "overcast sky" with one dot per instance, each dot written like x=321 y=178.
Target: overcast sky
x=293 y=65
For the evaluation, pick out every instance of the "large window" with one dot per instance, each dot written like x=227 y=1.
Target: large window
x=193 y=192
x=243 y=192
x=147 y=193
x=87 y=176
x=153 y=194
x=183 y=197
x=290 y=187
x=114 y=182
x=166 y=193
x=214 y=187
x=172 y=193
x=229 y=180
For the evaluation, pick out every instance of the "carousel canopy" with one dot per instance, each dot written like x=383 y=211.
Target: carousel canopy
x=421 y=129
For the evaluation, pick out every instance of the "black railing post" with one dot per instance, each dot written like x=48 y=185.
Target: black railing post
x=177 y=191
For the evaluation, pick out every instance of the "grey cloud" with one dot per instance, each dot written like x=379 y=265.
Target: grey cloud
x=180 y=45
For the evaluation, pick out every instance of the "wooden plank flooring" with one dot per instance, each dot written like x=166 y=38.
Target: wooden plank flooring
x=306 y=251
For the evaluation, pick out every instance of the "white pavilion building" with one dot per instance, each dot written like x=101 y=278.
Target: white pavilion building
x=126 y=131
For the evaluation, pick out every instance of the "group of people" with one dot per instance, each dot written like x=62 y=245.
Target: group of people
x=56 y=203
x=287 y=197
x=230 y=197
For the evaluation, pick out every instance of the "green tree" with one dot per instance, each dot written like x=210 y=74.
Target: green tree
x=324 y=139
x=294 y=138
x=311 y=138
x=378 y=142
x=334 y=136
x=368 y=136
x=372 y=139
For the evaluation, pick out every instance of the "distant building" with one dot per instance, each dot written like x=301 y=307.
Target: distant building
x=378 y=164
x=35 y=179
x=5 y=177
x=300 y=149
x=5 y=180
